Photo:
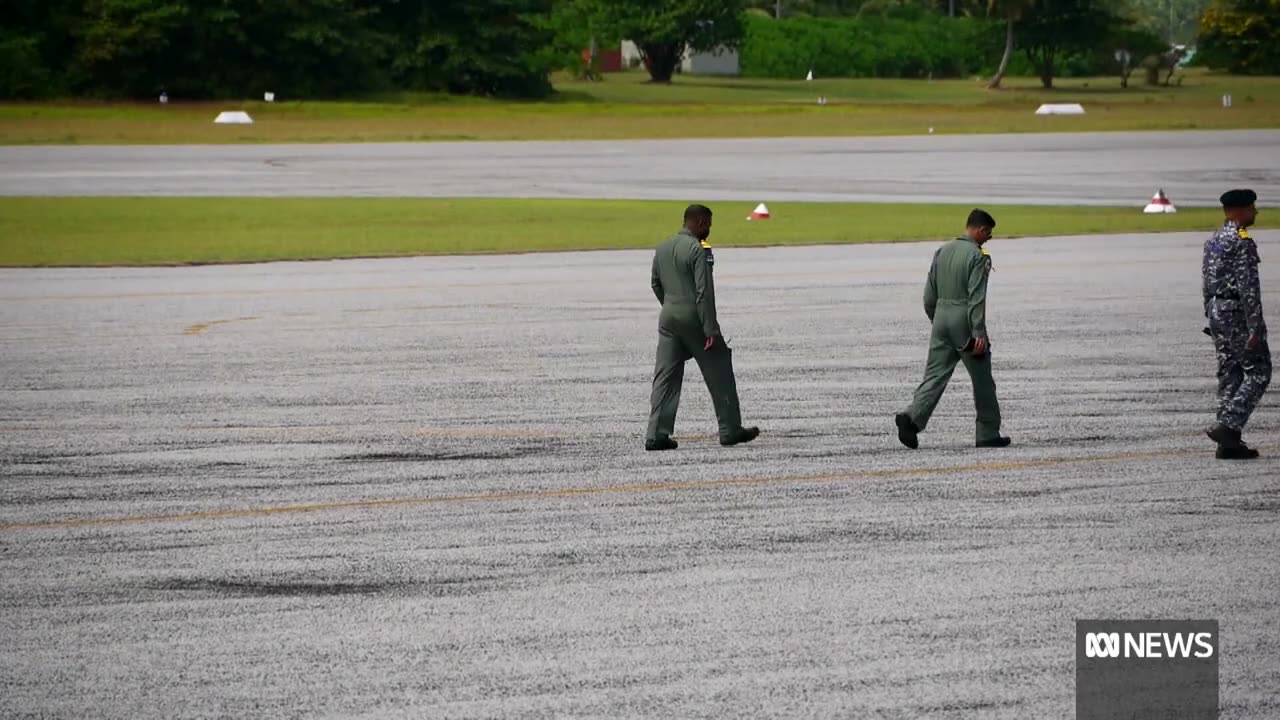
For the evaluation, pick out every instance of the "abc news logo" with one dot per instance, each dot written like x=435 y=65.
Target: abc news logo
x=1147 y=669
x=1148 y=645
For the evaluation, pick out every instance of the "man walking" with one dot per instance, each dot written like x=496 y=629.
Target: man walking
x=955 y=299
x=687 y=328
x=1233 y=306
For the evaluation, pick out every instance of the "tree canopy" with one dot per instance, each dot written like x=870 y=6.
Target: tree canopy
x=197 y=49
x=1242 y=36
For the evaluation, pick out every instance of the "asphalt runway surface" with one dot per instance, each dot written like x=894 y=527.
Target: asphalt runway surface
x=1121 y=169
x=417 y=488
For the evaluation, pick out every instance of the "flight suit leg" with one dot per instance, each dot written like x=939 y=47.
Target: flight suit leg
x=939 y=366
x=668 y=378
x=717 y=371
x=984 y=395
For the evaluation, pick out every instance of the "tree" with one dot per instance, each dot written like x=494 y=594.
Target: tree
x=482 y=47
x=1140 y=47
x=663 y=29
x=1242 y=36
x=1013 y=12
x=35 y=43
x=1174 y=21
x=125 y=44
x=229 y=48
x=1057 y=27
x=298 y=48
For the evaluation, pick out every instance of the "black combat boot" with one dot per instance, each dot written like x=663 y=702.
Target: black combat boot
x=1240 y=452
x=741 y=435
x=662 y=442
x=907 y=431
x=1224 y=436
x=994 y=442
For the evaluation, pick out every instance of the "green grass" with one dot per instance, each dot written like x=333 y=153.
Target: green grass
x=170 y=231
x=626 y=106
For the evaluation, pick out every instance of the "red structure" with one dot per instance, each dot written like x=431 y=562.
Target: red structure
x=606 y=60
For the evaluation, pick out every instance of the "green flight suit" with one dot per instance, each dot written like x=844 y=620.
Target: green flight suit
x=955 y=299
x=682 y=282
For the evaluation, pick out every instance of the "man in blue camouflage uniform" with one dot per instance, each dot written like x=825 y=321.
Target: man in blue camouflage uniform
x=1233 y=306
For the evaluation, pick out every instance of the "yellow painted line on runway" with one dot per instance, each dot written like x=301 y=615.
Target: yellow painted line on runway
x=518 y=434
x=403 y=308
x=256 y=428
x=489 y=433
x=200 y=328
x=603 y=490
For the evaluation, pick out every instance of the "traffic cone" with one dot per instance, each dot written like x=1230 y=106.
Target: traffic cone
x=760 y=213
x=1160 y=203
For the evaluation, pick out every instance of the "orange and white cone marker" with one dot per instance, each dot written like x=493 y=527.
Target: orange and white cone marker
x=760 y=213
x=1160 y=203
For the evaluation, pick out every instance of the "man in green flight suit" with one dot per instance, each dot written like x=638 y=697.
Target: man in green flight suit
x=687 y=328
x=955 y=299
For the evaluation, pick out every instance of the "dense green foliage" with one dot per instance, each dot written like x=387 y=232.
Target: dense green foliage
x=1055 y=29
x=299 y=48
x=507 y=48
x=871 y=46
x=1062 y=40
x=1242 y=36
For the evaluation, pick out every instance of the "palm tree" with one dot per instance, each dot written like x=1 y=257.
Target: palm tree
x=1014 y=10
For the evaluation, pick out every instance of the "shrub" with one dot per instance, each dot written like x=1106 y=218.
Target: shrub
x=868 y=46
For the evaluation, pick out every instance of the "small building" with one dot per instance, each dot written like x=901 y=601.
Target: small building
x=721 y=61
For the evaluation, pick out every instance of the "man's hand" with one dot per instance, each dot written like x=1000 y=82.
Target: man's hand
x=1252 y=343
x=711 y=342
x=980 y=346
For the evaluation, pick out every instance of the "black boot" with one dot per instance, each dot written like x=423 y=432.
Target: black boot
x=993 y=442
x=1240 y=452
x=1224 y=436
x=907 y=431
x=741 y=435
x=662 y=442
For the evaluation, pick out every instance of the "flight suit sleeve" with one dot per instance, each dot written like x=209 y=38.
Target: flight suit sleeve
x=978 y=296
x=705 y=290
x=655 y=281
x=931 y=288
x=1251 y=290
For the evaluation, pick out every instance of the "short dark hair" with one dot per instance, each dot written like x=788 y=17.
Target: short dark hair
x=696 y=213
x=980 y=218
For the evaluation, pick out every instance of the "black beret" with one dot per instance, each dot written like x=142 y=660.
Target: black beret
x=1238 y=198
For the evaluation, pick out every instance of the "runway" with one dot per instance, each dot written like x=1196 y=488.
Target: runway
x=417 y=488
x=1120 y=169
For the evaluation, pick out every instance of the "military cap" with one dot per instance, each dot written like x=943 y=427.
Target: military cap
x=1238 y=198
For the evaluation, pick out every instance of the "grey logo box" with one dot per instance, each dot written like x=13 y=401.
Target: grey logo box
x=1147 y=669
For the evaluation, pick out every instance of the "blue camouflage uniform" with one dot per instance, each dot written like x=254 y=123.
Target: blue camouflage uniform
x=1233 y=306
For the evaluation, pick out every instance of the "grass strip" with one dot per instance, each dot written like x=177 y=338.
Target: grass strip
x=59 y=232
